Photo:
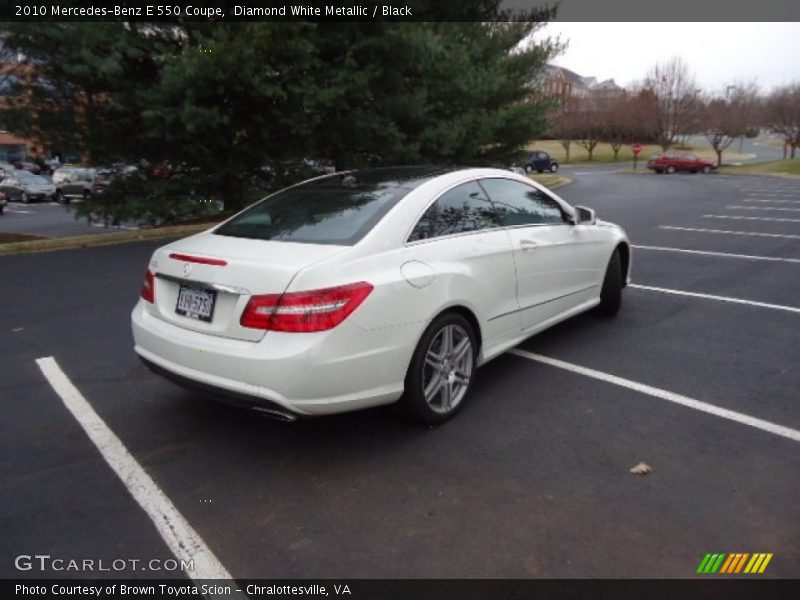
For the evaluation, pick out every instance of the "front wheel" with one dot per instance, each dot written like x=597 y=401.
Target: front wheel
x=24 y=198
x=441 y=370
x=611 y=292
x=554 y=168
x=528 y=168
x=706 y=169
x=670 y=169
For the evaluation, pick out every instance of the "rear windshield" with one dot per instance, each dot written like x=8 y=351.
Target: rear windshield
x=340 y=209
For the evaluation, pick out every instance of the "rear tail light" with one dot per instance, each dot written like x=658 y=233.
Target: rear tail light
x=148 y=287
x=316 y=310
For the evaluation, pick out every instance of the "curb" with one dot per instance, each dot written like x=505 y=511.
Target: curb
x=101 y=239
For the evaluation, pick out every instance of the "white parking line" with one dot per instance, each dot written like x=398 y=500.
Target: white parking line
x=712 y=409
x=771 y=201
x=179 y=535
x=745 y=218
x=651 y=288
x=781 y=208
x=751 y=233
x=721 y=254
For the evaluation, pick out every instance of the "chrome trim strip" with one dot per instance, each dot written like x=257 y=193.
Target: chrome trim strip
x=586 y=289
x=220 y=287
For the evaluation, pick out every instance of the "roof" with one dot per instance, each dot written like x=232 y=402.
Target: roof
x=406 y=177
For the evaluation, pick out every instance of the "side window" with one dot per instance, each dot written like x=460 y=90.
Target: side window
x=520 y=204
x=464 y=208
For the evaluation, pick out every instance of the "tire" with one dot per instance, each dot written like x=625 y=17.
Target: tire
x=554 y=168
x=706 y=170
x=87 y=194
x=528 y=168
x=59 y=197
x=445 y=395
x=23 y=197
x=670 y=169
x=611 y=292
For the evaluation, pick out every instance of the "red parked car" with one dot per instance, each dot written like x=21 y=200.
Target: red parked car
x=670 y=162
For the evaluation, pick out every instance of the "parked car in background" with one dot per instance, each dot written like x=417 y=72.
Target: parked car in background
x=30 y=167
x=74 y=183
x=3 y=202
x=6 y=168
x=22 y=186
x=540 y=161
x=387 y=285
x=671 y=162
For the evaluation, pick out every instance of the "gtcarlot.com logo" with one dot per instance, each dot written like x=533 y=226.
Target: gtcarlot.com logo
x=735 y=562
x=46 y=562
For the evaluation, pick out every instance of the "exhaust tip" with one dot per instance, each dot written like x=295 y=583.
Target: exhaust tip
x=278 y=415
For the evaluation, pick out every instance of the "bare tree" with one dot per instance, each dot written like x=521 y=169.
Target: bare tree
x=617 y=111
x=563 y=123
x=728 y=116
x=589 y=123
x=782 y=115
x=673 y=97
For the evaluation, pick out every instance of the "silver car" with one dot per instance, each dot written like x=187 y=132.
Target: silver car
x=22 y=186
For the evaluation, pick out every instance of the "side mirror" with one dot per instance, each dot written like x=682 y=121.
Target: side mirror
x=584 y=216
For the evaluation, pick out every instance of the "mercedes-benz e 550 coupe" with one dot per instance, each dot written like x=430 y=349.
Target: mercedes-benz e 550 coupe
x=364 y=288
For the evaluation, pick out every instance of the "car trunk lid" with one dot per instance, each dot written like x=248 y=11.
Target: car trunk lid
x=204 y=282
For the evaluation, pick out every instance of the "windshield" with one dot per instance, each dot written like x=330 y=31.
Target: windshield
x=339 y=209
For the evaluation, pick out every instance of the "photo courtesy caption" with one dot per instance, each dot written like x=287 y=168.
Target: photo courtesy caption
x=121 y=589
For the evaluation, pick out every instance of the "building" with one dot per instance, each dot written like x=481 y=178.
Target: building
x=558 y=82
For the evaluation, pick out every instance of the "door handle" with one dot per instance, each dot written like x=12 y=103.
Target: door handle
x=527 y=245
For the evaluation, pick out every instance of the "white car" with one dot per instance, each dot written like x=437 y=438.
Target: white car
x=363 y=288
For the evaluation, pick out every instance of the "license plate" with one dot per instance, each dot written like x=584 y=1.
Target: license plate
x=196 y=303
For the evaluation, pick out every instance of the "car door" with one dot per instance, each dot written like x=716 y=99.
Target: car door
x=460 y=238
x=558 y=264
x=10 y=187
x=72 y=186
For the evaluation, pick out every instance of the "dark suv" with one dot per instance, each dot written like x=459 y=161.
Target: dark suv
x=540 y=161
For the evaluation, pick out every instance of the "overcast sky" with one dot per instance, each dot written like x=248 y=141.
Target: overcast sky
x=717 y=53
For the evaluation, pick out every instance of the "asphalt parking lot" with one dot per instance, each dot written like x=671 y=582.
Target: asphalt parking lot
x=50 y=219
x=530 y=480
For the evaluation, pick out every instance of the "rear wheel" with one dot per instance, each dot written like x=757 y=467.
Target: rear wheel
x=611 y=292
x=707 y=169
x=441 y=370
x=24 y=198
x=529 y=168
x=670 y=169
x=554 y=168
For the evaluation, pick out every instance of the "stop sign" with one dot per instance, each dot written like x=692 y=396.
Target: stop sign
x=637 y=148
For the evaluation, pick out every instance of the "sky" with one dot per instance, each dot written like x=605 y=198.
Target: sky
x=717 y=53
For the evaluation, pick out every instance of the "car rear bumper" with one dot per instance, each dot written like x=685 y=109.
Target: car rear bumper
x=347 y=368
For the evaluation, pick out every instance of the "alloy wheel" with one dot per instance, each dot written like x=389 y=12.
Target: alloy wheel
x=447 y=369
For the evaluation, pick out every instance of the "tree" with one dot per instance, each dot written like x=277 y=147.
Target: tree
x=213 y=105
x=728 y=116
x=672 y=98
x=618 y=117
x=562 y=123
x=782 y=114
x=590 y=124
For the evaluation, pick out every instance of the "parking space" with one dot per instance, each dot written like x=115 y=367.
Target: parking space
x=49 y=219
x=531 y=480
